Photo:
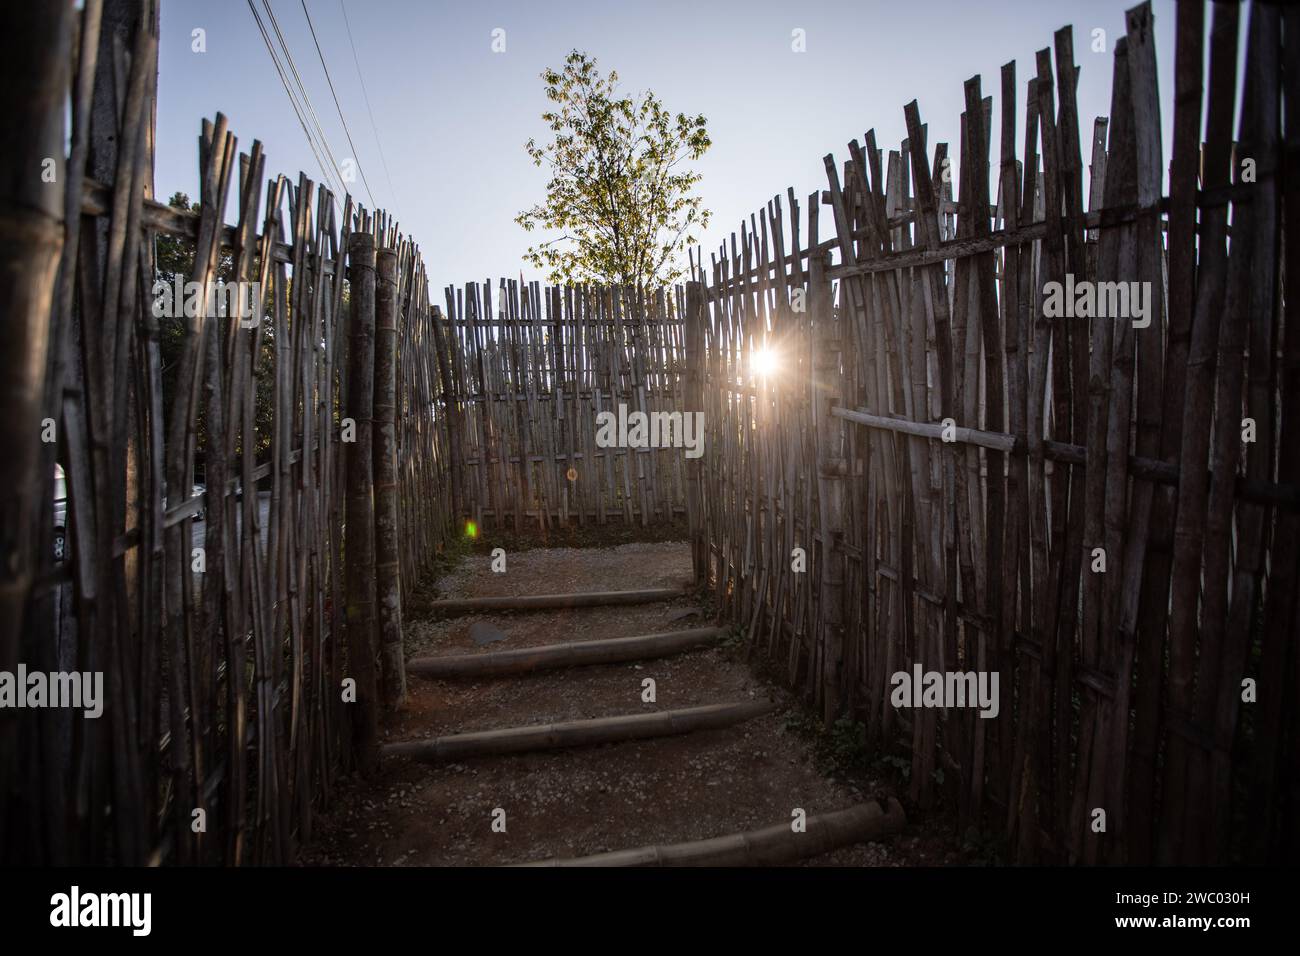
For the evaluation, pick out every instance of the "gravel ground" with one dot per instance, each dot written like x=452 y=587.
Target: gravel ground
x=592 y=799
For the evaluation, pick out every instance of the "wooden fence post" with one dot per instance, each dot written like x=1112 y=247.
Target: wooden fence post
x=831 y=469
x=388 y=576
x=31 y=241
x=452 y=409
x=359 y=528
x=32 y=233
x=694 y=329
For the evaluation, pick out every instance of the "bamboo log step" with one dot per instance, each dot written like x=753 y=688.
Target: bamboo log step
x=770 y=846
x=525 y=660
x=536 y=602
x=577 y=733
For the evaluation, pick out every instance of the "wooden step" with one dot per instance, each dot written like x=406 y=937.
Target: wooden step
x=537 y=602
x=577 y=733
x=525 y=660
x=770 y=846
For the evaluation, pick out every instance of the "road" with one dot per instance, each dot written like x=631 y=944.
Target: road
x=200 y=528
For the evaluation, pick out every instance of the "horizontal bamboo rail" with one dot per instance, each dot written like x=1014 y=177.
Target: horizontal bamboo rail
x=1282 y=494
x=961 y=248
x=771 y=846
x=577 y=733
x=972 y=436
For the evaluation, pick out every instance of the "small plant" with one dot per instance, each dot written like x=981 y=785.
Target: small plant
x=901 y=764
x=848 y=743
x=985 y=846
x=798 y=722
x=838 y=750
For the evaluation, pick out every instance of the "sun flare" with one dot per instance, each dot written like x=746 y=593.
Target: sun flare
x=764 y=362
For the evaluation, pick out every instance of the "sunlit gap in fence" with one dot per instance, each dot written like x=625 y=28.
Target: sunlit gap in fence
x=764 y=362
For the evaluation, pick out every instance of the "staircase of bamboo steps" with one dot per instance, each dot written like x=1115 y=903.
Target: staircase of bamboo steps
x=772 y=845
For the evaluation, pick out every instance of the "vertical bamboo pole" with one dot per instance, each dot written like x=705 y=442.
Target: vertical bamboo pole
x=452 y=408
x=388 y=577
x=32 y=236
x=694 y=403
x=831 y=468
x=360 y=518
x=31 y=241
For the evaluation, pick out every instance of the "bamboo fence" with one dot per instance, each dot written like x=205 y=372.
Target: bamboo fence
x=224 y=654
x=901 y=308
x=949 y=457
x=527 y=383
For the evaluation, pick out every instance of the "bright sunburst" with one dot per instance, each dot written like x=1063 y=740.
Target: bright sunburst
x=764 y=362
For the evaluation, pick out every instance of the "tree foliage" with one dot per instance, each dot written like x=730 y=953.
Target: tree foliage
x=174 y=256
x=619 y=192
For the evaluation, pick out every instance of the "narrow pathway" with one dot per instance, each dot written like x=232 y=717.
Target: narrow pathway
x=592 y=799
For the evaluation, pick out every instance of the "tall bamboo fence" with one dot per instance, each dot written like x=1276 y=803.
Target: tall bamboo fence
x=1102 y=511
x=532 y=369
x=237 y=543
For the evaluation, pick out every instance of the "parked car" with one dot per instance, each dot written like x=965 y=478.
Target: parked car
x=60 y=514
x=196 y=491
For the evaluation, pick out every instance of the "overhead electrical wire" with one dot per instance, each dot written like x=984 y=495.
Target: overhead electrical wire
x=314 y=129
x=293 y=100
x=366 y=96
x=302 y=88
x=347 y=132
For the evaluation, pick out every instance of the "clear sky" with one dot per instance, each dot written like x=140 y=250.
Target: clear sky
x=453 y=116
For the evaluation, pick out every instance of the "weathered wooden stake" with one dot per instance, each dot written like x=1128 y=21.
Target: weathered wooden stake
x=452 y=408
x=388 y=577
x=31 y=240
x=359 y=529
x=831 y=468
x=694 y=321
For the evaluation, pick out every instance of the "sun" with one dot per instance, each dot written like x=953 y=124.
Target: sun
x=764 y=362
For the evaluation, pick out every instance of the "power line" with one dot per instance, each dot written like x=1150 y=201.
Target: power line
x=302 y=90
x=366 y=96
x=293 y=100
x=347 y=132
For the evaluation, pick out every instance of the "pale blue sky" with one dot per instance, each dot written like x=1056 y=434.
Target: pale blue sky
x=453 y=116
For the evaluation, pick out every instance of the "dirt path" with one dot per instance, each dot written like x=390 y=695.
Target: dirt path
x=593 y=799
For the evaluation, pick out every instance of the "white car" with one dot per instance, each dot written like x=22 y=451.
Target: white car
x=60 y=514
x=196 y=491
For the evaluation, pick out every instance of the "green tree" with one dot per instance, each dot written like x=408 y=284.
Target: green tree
x=619 y=193
x=174 y=256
